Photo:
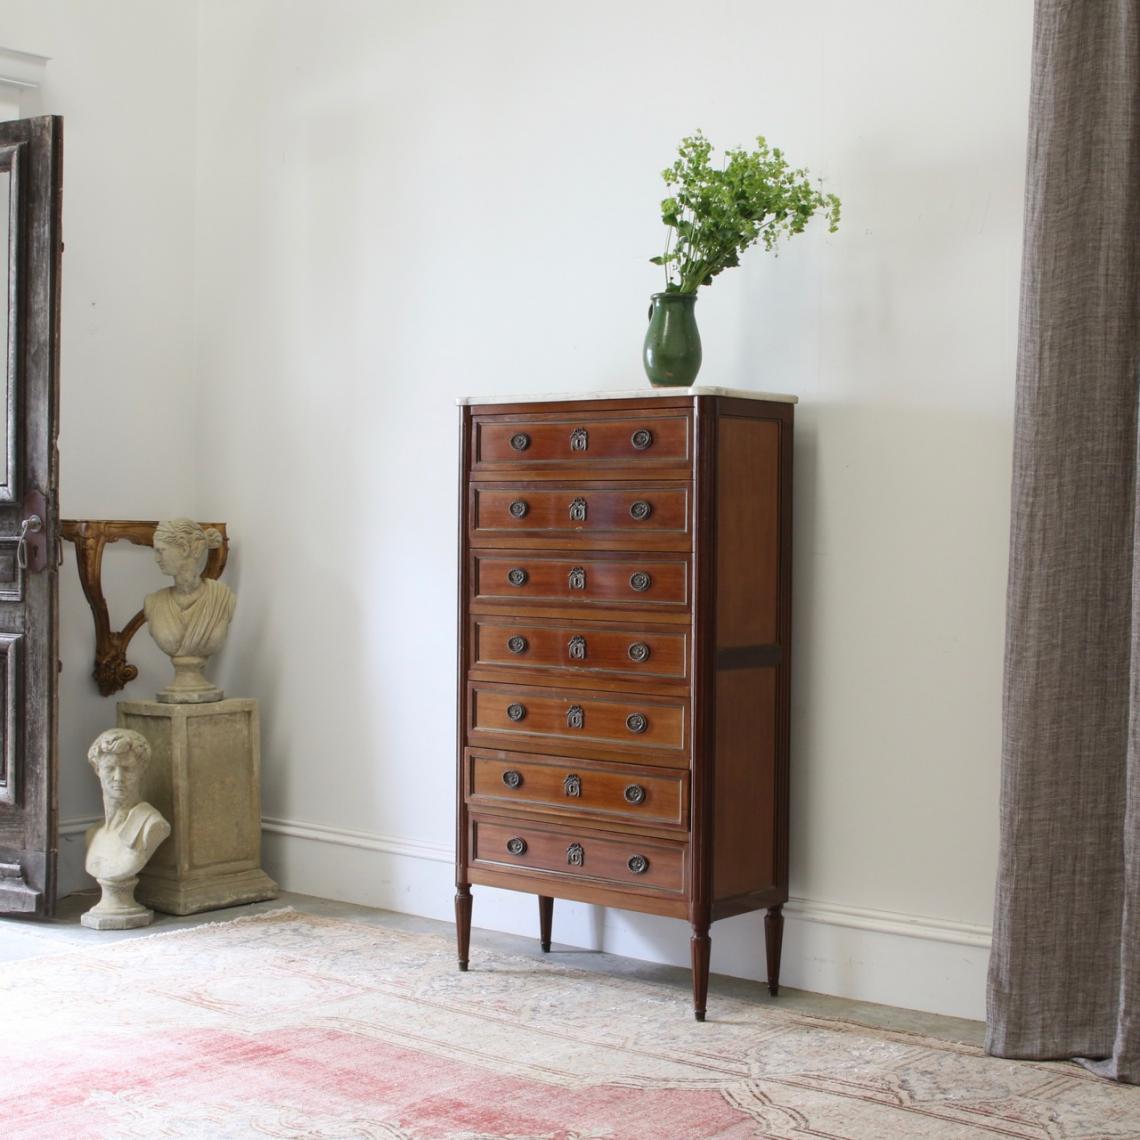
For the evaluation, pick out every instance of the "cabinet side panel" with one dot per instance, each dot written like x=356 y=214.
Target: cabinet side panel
x=744 y=789
x=747 y=580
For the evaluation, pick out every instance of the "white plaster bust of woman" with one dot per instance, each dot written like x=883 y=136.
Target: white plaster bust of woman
x=189 y=620
x=120 y=847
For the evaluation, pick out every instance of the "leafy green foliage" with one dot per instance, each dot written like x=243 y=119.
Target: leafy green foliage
x=714 y=215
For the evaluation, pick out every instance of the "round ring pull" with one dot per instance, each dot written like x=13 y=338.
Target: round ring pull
x=519 y=644
x=634 y=794
x=519 y=509
x=516 y=712
x=521 y=441
x=640 y=581
x=514 y=779
x=517 y=577
x=516 y=846
x=641 y=439
x=639 y=652
x=640 y=510
x=638 y=864
x=635 y=722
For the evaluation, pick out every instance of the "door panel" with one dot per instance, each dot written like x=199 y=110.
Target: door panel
x=30 y=248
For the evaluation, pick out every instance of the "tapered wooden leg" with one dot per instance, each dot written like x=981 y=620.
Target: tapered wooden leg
x=463 y=922
x=700 y=943
x=773 y=940
x=545 y=920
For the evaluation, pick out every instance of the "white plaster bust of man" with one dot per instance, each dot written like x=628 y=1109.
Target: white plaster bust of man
x=189 y=620
x=120 y=847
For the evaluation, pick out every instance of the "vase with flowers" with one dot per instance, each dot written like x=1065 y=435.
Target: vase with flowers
x=713 y=214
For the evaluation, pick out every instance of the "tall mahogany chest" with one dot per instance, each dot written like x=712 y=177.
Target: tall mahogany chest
x=624 y=625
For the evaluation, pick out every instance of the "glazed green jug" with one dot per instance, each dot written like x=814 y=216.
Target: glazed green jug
x=672 y=351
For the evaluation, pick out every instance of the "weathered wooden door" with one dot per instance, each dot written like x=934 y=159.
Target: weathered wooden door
x=30 y=248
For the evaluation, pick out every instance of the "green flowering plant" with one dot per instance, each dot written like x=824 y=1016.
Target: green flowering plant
x=714 y=215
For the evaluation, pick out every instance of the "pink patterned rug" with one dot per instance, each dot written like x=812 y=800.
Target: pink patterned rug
x=287 y=1025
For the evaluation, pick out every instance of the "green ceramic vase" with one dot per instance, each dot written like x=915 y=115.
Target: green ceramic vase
x=672 y=351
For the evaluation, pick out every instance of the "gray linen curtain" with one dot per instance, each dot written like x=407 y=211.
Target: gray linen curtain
x=1065 y=969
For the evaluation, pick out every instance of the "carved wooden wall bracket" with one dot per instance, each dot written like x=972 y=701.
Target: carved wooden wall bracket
x=112 y=670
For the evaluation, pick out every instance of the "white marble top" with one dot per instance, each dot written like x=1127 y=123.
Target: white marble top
x=634 y=394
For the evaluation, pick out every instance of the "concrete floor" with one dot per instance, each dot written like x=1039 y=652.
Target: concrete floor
x=29 y=938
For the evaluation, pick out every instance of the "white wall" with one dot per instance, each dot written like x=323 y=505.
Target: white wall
x=121 y=72
x=399 y=204
x=375 y=207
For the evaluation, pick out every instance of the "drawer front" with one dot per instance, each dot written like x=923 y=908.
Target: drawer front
x=641 y=516
x=557 y=440
x=629 y=722
x=628 y=860
x=629 y=581
x=648 y=796
x=580 y=647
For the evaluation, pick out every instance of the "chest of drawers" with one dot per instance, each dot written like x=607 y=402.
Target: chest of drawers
x=624 y=625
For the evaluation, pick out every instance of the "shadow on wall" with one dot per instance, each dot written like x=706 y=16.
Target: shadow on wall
x=281 y=652
x=901 y=533
x=901 y=539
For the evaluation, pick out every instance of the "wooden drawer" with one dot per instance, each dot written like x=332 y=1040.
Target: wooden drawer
x=638 y=517
x=577 y=443
x=641 y=795
x=522 y=576
x=580 y=720
x=582 y=854
x=580 y=648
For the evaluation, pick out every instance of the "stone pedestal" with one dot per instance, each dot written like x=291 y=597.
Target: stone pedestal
x=189 y=686
x=205 y=778
x=117 y=909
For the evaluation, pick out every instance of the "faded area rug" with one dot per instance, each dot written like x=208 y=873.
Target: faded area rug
x=287 y=1025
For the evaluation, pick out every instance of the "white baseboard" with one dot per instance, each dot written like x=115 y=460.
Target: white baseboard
x=891 y=922
x=906 y=960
